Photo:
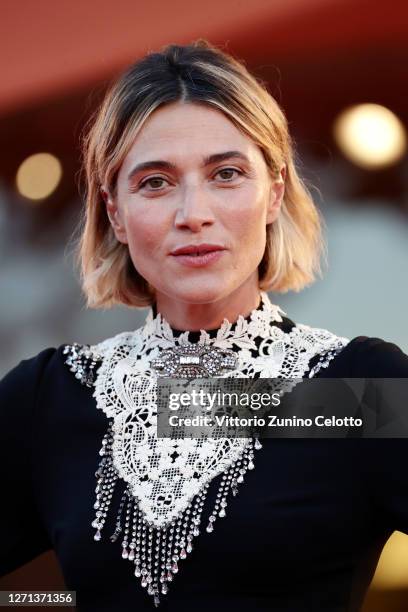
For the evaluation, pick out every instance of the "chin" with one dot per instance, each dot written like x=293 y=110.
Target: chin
x=198 y=293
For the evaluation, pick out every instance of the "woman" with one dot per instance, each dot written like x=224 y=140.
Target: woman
x=194 y=208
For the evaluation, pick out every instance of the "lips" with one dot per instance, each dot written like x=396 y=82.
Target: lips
x=197 y=249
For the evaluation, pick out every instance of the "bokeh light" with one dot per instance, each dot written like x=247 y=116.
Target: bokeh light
x=38 y=176
x=370 y=135
x=392 y=570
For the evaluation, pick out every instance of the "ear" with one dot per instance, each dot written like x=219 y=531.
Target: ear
x=277 y=191
x=115 y=216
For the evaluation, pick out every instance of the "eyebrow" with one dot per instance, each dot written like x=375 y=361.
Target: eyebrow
x=159 y=164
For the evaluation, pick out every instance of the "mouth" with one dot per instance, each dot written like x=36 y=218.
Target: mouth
x=197 y=250
x=198 y=253
x=198 y=256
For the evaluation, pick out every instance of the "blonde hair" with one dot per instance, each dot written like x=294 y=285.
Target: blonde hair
x=204 y=74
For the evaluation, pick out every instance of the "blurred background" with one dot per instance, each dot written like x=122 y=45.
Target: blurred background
x=339 y=70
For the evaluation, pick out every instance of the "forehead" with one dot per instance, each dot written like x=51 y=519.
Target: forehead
x=190 y=131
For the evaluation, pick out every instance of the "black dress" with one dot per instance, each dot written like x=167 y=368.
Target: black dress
x=304 y=534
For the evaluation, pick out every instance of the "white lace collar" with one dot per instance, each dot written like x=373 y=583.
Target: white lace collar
x=126 y=384
x=238 y=333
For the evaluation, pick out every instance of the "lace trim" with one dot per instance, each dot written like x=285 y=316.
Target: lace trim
x=125 y=388
x=83 y=362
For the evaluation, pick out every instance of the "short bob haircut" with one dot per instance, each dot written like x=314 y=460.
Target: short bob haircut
x=203 y=74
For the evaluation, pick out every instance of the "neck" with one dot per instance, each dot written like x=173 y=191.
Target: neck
x=195 y=316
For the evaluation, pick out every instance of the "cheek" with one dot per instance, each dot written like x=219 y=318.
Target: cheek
x=249 y=219
x=145 y=233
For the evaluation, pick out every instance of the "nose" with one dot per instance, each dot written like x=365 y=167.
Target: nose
x=194 y=210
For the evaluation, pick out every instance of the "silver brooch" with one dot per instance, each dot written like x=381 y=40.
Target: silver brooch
x=195 y=361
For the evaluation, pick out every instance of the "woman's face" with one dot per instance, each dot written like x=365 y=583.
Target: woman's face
x=192 y=178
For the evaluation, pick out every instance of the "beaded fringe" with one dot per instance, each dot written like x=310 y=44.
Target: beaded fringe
x=324 y=360
x=156 y=552
x=82 y=361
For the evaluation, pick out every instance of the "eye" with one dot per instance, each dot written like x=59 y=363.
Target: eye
x=226 y=172
x=149 y=181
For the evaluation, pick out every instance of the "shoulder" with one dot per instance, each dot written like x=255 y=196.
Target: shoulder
x=47 y=368
x=368 y=357
x=19 y=392
x=359 y=357
x=64 y=363
x=27 y=374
